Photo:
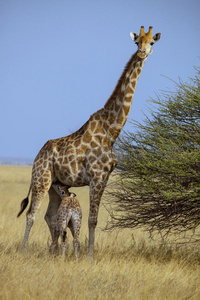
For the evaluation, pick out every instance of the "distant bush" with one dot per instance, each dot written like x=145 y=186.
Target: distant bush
x=158 y=174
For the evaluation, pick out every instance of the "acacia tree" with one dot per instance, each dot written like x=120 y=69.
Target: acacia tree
x=158 y=174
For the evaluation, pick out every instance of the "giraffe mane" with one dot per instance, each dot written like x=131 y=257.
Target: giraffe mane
x=119 y=83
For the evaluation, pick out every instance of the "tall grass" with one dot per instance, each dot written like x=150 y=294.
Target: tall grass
x=126 y=265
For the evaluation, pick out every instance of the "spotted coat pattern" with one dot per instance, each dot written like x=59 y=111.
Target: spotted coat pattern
x=86 y=157
x=69 y=215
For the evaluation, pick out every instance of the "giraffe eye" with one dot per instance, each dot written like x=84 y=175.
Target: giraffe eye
x=136 y=43
x=151 y=44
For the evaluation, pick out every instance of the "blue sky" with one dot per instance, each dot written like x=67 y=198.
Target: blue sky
x=60 y=61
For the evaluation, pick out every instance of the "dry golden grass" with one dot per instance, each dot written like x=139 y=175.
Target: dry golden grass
x=124 y=267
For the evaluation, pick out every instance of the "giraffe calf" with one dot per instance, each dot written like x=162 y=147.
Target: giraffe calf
x=69 y=215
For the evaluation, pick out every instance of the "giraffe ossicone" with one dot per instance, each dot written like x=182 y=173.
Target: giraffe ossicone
x=86 y=157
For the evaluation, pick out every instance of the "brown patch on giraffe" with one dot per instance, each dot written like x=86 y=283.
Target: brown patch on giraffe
x=104 y=158
x=97 y=152
x=121 y=94
x=94 y=144
x=70 y=149
x=47 y=146
x=138 y=72
x=71 y=156
x=40 y=161
x=80 y=162
x=65 y=160
x=56 y=167
x=77 y=143
x=39 y=169
x=112 y=117
x=45 y=156
x=134 y=75
x=105 y=169
x=103 y=117
x=99 y=129
x=133 y=84
x=55 y=154
x=128 y=99
x=60 y=160
x=120 y=117
x=117 y=107
x=130 y=90
x=96 y=167
x=73 y=166
x=126 y=110
x=105 y=141
x=127 y=80
x=92 y=126
x=98 y=186
x=105 y=126
x=87 y=137
x=59 y=143
x=114 y=132
x=97 y=117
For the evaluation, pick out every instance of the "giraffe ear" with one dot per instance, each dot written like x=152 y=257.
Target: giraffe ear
x=157 y=37
x=72 y=195
x=134 y=36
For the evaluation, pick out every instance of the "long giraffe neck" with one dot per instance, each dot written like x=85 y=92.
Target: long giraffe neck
x=118 y=105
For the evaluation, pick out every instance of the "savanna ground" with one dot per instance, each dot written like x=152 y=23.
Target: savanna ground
x=126 y=265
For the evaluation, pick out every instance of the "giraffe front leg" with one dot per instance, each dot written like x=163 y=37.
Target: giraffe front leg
x=51 y=213
x=96 y=191
x=54 y=244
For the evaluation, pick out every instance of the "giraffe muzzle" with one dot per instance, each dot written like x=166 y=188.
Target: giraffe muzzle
x=142 y=53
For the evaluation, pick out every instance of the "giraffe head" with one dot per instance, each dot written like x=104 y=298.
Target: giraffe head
x=62 y=190
x=145 y=41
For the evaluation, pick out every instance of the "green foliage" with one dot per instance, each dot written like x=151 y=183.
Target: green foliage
x=158 y=178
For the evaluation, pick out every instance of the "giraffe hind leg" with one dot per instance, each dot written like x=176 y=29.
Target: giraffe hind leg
x=31 y=213
x=29 y=224
x=51 y=213
x=76 y=220
x=63 y=235
x=76 y=245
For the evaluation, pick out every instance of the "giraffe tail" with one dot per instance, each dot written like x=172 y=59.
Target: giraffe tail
x=24 y=203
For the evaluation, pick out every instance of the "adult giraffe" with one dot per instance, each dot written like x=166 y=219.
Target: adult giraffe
x=86 y=157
